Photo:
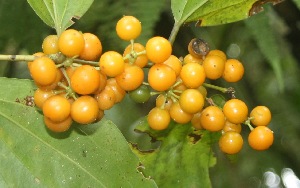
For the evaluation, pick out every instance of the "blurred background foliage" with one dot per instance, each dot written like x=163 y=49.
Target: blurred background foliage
x=268 y=44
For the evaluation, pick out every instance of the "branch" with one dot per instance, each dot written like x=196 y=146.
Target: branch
x=17 y=57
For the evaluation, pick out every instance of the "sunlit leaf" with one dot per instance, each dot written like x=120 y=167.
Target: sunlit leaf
x=59 y=14
x=95 y=155
x=182 y=10
x=183 y=158
x=216 y=12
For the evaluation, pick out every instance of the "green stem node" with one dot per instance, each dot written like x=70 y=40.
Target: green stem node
x=173 y=95
x=248 y=123
x=152 y=93
x=177 y=83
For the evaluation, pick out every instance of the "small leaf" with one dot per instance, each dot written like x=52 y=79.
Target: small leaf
x=95 y=155
x=218 y=100
x=59 y=14
x=183 y=158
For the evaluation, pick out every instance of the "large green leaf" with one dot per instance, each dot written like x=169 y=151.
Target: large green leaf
x=182 y=160
x=96 y=155
x=215 y=12
x=59 y=13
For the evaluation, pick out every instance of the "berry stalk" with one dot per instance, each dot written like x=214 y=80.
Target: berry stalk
x=218 y=88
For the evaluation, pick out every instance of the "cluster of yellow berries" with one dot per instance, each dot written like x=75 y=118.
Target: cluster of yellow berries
x=77 y=82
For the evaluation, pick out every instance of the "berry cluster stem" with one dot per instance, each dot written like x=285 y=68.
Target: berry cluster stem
x=83 y=62
x=218 y=88
x=17 y=57
x=68 y=89
x=53 y=56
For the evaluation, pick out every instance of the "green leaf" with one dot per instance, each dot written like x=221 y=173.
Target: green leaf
x=215 y=12
x=95 y=155
x=182 y=10
x=59 y=14
x=218 y=100
x=183 y=158
x=13 y=90
x=297 y=2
